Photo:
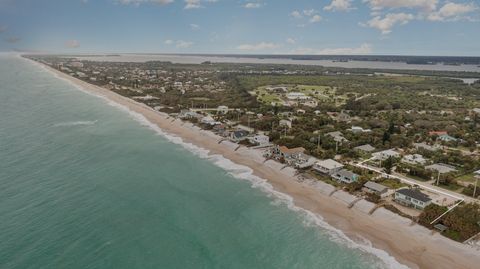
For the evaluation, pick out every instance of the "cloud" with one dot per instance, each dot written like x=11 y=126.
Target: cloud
x=3 y=28
x=194 y=26
x=452 y=11
x=13 y=39
x=253 y=5
x=258 y=46
x=363 y=49
x=296 y=14
x=168 y=42
x=309 y=14
x=72 y=44
x=339 y=5
x=183 y=44
x=291 y=40
x=139 y=2
x=191 y=4
x=425 y=5
x=315 y=18
x=386 y=23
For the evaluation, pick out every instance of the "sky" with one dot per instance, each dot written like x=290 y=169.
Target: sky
x=377 y=27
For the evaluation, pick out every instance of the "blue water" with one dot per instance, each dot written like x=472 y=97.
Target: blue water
x=85 y=185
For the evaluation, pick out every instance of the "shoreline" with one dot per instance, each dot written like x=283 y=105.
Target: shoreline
x=412 y=245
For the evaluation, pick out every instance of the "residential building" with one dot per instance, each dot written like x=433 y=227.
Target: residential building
x=345 y=176
x=375 y=188
x=446 y=138
x=413 y=198
x=383 y=155
x=259 y=139
x=285 y=123
x=414 y=159
x=358 y=129
x=239 y=135
x=222 y=109
x=425 y=146
x=337 y=136
x=328 y=166
x=365 y=148
x=441 y=168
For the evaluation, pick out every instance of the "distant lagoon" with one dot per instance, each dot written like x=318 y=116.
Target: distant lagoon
x=197 y=59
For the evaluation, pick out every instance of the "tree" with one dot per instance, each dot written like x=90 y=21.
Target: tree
x=388 y=165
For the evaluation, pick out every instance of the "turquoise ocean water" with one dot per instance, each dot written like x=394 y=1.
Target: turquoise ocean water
x=84 y=184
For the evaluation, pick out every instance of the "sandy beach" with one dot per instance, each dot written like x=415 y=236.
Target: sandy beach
x=412 y=245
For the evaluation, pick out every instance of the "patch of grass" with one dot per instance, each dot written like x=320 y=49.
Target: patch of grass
x=392 y=183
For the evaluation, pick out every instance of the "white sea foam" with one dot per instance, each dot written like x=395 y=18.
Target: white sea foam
x=74 y=123
x=246 y=173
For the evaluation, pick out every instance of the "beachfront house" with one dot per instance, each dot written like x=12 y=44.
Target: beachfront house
x=260 y=140
x=285 y=152
x=375 y=188
x=239 y=135
x=345 y=176
x=328 y=166
x=412 y=198
x=208 y=120
x=303 y=161
x=383 y=155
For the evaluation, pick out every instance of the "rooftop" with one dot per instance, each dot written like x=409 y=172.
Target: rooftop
x=415 y=194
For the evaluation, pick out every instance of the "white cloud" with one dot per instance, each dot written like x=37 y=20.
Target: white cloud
x=296 y=14
x=73 y=43
x=168 y=42
x=452 y=11
x=291 y=40
x=425 y=5
x=362 y=49
x=309 y=12
x=190 y=4
x=258 y=46
x=138 y=2
x=253 y=5
x=386 y=23
x=194 y=26
x=315 y=18
x=183 y=44
x=339 y=5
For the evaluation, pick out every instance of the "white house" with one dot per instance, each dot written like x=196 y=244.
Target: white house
x=222 y=109
x=328 y=166
x=413 y=198
x=259 y=139
x=415 y=159
x=383 y=155
x=209 y=120
x=337 y=136
x=286 y=123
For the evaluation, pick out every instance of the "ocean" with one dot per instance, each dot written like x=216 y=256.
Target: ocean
x=86 y=184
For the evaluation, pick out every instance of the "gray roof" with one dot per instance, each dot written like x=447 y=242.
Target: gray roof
x=375 y=186
x=441 y=168
x=415 y=194
x=329 y=164
x=346 y=173
x=366 y=148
